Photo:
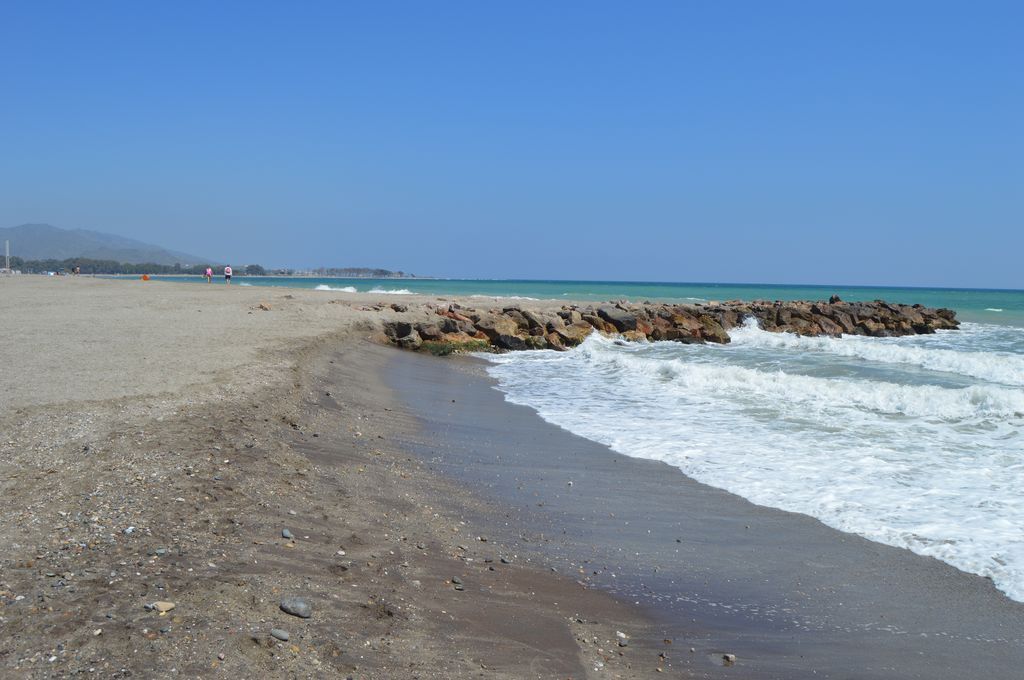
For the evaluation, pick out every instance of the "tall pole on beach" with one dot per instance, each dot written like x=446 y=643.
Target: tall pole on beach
x=7 y=255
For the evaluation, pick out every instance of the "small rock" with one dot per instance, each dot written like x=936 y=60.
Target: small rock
x=729 y=658
x=221 y=656
x=505 y=560
x=296 y=606
x=456 y=580
x=163 y=606
x=280 y=634
x=287 y=534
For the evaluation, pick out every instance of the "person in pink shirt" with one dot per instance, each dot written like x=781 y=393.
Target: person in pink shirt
x=209 y=274
x=227 y=275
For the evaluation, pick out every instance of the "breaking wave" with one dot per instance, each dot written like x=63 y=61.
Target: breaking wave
x=913 y=442
x=999 y=367
x=346 y=289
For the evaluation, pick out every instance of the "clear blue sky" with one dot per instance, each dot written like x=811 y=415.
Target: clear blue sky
x=805 y=142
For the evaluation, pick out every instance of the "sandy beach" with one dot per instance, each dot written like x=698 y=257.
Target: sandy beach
x=158 y=440
x=224 y=449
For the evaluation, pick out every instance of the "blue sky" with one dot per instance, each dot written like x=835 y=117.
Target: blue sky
x=802 y=142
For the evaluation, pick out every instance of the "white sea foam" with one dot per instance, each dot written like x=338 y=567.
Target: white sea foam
x=993 y=309
x=999 y=367
x=346 y=289
x=399 y=291
x=504 y=297
x=935 y=466
x=243 y=283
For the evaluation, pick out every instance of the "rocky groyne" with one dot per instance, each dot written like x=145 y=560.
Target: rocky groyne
x=451 y=327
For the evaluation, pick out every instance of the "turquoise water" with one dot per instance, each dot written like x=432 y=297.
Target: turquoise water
x=1005 y=307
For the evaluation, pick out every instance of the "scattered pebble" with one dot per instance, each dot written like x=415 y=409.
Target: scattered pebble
x=297 y=606
x=286 y=533
x=280 y=634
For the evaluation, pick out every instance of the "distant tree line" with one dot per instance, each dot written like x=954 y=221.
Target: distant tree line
x=359 y=272
x=90 y=266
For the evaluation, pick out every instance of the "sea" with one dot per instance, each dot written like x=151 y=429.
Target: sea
x=915 y=442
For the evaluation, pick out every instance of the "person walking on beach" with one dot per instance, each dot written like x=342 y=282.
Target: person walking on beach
x=209 y=274
x=227 y=275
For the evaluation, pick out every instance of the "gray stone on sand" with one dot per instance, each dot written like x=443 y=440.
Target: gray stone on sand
x=280 y=634
x=297 y=606
x=286 y=533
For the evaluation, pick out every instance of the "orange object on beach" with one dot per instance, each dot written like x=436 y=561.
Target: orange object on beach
x=145 y=277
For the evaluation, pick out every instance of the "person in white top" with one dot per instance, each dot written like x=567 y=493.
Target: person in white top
x=227 y=275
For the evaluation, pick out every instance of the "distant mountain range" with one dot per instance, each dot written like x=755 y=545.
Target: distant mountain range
x=45 y=242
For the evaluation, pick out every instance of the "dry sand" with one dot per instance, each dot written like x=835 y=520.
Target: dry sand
x=155 y=440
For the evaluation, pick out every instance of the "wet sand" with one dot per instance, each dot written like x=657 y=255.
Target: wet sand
x=789 y=596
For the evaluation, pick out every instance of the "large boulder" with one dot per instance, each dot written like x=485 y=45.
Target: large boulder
x=573 y=334
x=828 y=326
x=555 y=342
x=600 y=324
x=396 y=329
x=517 y=316
x=570 y=316
x=411 y=340
x=429 y=331
x=495 y=326
x=619 y=318
x=712 y=331
x=872 y=328
x=448 y=325
x=510 y=342
x=534 y=320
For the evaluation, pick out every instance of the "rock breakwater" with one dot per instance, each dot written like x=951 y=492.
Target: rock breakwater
x=442 y=329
